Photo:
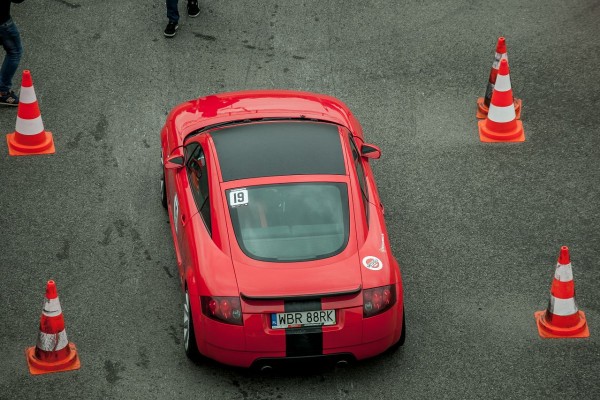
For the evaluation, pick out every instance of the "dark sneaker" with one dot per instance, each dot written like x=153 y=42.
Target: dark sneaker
x=9 y=99
x=193 y=9
x=171 y=29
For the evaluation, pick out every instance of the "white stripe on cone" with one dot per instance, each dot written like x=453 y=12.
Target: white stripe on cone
x=29 y=126
x=563 y=307
x=502 y=83
x=52 y=308
x=564 y=273
x=52 y=341
x=502 y=114
x=27 y=95
x=497 y=58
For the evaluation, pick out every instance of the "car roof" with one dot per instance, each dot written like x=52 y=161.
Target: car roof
x=278 y=148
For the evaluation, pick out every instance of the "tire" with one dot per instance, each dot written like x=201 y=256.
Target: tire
x=403 y=333
x=163 y=191
x=402 y=339
x=189 y=336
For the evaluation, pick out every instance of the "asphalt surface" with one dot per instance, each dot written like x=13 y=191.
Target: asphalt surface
x=476 y=227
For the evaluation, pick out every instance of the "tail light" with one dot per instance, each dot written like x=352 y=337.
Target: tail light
x=378 y=300
x=224 y=309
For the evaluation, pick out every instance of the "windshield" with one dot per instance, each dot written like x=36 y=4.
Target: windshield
x=290 y=222
x=279 y=149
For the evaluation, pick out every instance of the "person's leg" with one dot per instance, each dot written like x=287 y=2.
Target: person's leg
x=172 y=11
x=173 y=16
x=11 y=41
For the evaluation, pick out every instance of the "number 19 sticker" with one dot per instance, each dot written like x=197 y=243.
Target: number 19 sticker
x=238 y=197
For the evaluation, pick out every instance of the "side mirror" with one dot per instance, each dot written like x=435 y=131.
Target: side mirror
x=370 y=151
x=174 y=162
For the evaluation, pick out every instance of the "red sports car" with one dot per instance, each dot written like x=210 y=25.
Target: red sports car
x=279 y=234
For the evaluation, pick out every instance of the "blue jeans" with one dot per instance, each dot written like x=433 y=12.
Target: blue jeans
x=11 y=41
x=172 y=11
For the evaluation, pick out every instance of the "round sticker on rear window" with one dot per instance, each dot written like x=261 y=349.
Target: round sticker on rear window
x=238 y=197
x=372 y=263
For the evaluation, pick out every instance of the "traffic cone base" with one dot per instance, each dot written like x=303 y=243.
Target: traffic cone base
x=549 y=331
x=19 y=149
x=482 y=109
x=38 y=367
x=514 y=135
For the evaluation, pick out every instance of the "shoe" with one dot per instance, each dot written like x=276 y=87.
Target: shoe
x=171 y=29
x=9 y=99
x=193 y=9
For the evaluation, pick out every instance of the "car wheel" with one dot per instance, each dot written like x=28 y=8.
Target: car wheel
x=402 y=339
x=163 y=191
x=189 y=337
x=403 y=333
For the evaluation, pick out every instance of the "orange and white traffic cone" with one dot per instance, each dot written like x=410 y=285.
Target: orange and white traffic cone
x=562 y=319
x=53 y=352
x=29 y=136
x=483 y=103
x=501 y=124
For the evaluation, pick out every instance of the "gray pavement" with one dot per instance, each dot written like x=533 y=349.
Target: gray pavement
x=476 y=227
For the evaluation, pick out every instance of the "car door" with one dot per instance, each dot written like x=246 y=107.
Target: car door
x=183 y=209
x=174 y=188
x=193 y=188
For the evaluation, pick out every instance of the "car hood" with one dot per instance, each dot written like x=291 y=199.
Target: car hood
x=270 y=280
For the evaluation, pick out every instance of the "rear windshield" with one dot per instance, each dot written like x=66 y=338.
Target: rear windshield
x=290 y=222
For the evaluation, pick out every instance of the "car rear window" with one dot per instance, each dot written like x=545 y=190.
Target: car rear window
x=290 y=222
x=278 y=148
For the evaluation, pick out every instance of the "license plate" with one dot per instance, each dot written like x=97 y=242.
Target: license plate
x=300 y=319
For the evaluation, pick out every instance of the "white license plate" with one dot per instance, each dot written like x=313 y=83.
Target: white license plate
x=302 y=318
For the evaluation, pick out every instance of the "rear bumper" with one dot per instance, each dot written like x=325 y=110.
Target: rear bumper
x=248 y=359
x=255 y=344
